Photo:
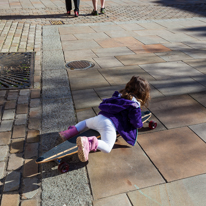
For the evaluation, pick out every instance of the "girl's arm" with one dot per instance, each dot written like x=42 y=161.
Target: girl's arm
x=135 y=117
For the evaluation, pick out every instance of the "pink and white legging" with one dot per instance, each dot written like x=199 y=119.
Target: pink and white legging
x=106 y=129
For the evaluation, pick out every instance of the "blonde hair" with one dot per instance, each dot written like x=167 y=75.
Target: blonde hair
x=139 y=88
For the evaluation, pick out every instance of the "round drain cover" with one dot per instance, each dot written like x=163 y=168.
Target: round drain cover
x=82 y=64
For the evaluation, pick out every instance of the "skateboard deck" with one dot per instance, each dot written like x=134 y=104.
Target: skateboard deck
x=69 y=147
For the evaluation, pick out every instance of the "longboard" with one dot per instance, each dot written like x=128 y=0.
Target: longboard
x=69 y=147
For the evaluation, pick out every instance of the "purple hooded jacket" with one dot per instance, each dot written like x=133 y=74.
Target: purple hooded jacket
x=125 y=115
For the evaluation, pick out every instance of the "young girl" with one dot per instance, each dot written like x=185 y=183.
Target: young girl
x=120 y=113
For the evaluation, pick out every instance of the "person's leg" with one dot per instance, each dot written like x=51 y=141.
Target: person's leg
x=68 y=5
x=76 y=4
x=94 y=12
x=72 y=130
x=106 y=129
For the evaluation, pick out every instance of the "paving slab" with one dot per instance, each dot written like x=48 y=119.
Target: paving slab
x=200 y=97
x=86 y=98
x=80 y=44
x=178 y=111
x=63 y=30
x=147 y=58
x=177 y=153
x=12 y=181
x=88 y=78
x=199 y=129
x=189 y=191
x=152 y=48
x=170 y=70
x=106 y=62
x=199 y=64
x=116 y=200
x=151 y=39
x=85 y=114
x=79 y=55
x=122 y=75
x=118 y=42
x=179 y=86
x=94 y=36
x=196 y=53
x=137 y=170
x=104 y=52
x=174 y=56
x=131 y=26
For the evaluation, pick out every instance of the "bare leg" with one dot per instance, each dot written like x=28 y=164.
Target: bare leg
x=102 y=3
x=94 y=4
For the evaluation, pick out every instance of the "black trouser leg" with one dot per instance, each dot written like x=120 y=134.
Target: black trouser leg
x=76 y=4
x=68 y=5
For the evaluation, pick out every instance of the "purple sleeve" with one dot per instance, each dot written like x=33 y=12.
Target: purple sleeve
x=135 y=117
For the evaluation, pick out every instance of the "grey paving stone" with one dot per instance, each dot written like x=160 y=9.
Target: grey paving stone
x=178 y=86
x=137 y=59
x=122 y=75
x=85 y=114
x=15 y=162
x=173 y=56
x=21 y=119
x=199 y=64
x=170 y=70
x=182 y=192
x=5 y=138
x=104 y=52
x=90 y=78
x=195 y=53
x=196 y=44
x=57 y=115
x=152 y=39
x=30 y=188
x=199 y=129
x=6 y=125
x=12 y=181
x=24 y=92
x=200 y=97
x=2 y=168
x=116 y=200
x=80 y=44
x=85 y=98
x=3 y=152
x=176 y=46
x=8 y=114
x=23 y=99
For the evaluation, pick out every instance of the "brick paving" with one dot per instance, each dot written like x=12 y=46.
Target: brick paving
x=21 y=31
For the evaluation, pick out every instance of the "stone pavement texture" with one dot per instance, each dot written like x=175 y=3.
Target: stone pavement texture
x=163 y=41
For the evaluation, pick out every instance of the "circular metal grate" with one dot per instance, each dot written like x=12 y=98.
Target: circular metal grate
x=15 y=70
x=78 y=65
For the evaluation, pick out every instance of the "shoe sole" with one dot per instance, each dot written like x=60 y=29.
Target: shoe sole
x=81 y=156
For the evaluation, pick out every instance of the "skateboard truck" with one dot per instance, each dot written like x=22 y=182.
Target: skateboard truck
x=63 y=166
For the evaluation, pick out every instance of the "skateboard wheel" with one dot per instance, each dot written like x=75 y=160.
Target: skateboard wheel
x=63 y=167
x=152 y=124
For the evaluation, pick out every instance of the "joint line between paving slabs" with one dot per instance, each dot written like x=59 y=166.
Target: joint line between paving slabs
x=152 y=162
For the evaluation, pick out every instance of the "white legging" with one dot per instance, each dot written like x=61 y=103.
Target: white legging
x=106 y=129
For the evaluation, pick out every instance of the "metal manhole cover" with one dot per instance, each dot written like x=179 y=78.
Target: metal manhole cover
x=78 y=65
x=15 y=70
x=59 y=22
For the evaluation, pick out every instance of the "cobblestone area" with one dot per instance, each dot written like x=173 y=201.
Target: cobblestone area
x=113 y=13
x=20 y=121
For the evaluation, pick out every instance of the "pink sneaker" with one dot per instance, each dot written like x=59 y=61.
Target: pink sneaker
x=85 y=145
x=69 y=133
